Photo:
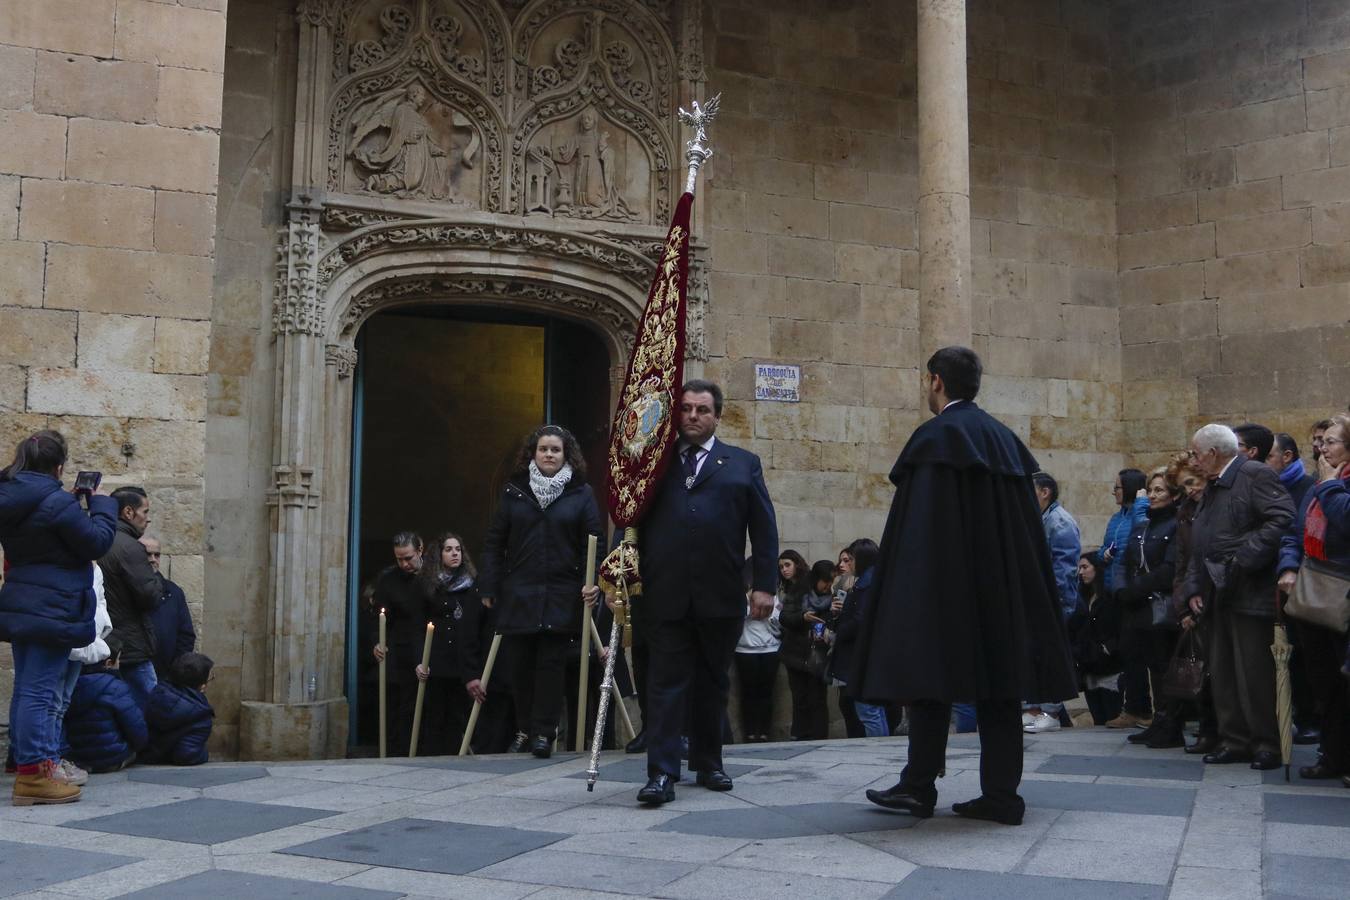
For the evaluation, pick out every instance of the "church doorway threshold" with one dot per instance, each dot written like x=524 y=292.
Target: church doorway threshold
x=444 y=396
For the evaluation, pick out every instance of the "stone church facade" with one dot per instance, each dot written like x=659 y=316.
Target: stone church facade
x=1138 y=212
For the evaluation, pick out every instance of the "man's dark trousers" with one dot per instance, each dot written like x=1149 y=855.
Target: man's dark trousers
x=1000 y=725
x=688 y=682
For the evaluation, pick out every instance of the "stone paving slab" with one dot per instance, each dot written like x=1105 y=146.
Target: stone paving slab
x=634 y=771
x=1170 y=769
x=197 y=776
x=451 y=848
x=1137 y=823
x=201 y=821
x=31 y=867
x=219 y=883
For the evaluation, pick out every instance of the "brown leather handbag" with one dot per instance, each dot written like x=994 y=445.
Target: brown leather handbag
x=1185 y=677
x=1320 y=596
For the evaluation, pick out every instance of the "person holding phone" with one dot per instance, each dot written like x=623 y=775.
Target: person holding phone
x=47 y=602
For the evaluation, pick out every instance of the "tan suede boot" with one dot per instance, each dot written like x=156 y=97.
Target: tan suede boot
x=41 y=788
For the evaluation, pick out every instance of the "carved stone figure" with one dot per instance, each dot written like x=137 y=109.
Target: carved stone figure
x=581 y=169
x=414 y=138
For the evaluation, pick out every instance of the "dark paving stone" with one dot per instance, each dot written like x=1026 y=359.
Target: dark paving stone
x=751 y=751
x=496 y=765
x=30 y=867
x=1305 y=876
x=202 y=821
x=962 y=884
x=1151 y=801
x=198 y=776
x=219 y=883
x=635 y=771
x=1125 y=767
x=451 y=848
x=802 y=820
x=1301 y=809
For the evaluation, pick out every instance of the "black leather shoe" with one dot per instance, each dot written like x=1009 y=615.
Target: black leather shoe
x=1224 y=757
x=520 y=744
x=1319 y=770
x=1266 y=759
x=658 y=790
x=981 y=808
x=1143 y=737
x=638 y=744
x=1306 y=736
x=714 y=780
x=1166 y=739
x=903 y=798
x=541 y=747
x=1203 y=744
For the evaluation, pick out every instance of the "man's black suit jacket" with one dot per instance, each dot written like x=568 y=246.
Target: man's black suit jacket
x=692 y=540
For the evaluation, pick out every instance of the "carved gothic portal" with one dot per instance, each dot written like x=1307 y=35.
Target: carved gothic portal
x=484 y=152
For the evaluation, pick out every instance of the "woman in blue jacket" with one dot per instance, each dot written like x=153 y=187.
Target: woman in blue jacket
x=1321 y=538
x=47 y=602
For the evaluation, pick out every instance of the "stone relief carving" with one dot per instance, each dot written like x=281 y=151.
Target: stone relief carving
x=341 y=358
x=696 y=309
x=395 y=23
x=410 y=145
x=296 y=304
x=574 y=171
x=545 y=297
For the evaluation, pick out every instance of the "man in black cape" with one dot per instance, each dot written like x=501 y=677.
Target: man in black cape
x=965 y=607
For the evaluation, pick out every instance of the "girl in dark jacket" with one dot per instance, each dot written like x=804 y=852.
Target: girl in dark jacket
x=535 y=550
x=454 y=677
x=47 y=602
x=1150 y=569
x=799 y=591
x=1095 y=637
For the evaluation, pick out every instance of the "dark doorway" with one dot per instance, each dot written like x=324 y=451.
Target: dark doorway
x=444 y=399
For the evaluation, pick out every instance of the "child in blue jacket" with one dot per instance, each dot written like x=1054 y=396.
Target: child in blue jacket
x=179 y=714
x=104 y=726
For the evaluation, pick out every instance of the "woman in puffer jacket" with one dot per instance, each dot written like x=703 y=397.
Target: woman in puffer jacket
x=104 y=725
x=47 y=602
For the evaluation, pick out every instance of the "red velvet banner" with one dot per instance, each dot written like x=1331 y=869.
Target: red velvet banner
x=644 y=425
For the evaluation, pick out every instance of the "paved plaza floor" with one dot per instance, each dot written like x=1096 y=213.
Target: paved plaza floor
x=1105 y=820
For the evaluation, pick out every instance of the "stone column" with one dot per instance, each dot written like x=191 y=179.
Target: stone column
x=944 y=177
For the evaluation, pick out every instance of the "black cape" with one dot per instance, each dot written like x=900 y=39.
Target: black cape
x=964 y=602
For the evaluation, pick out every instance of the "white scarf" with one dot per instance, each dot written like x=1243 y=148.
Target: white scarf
x=547 y=489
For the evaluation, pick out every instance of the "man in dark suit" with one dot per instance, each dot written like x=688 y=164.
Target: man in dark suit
x=1235 y=542
x=965 y=606
x=692 y=542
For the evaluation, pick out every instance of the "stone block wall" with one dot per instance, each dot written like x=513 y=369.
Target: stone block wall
x=1234 y=179
x=811 y=218
x=259 y=98
x=109 y=138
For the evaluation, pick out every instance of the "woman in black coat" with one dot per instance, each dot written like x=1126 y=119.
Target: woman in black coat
x=1150 y=569
x=454 y=675
x=1095 y=638
x=533 y=560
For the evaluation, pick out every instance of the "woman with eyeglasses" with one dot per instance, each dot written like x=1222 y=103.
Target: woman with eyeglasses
x=1320 y=543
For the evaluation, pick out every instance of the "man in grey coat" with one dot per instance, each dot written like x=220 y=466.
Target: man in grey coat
x=1235 y=540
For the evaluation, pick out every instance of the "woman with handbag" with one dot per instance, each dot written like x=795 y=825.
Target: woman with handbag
x=805 y=597
x=1190 y=483
x=1315 y=573
x=1149 y=625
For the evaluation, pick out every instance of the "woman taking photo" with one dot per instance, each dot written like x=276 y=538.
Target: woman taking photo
x=47 y=602
x=456 y=668
x=804 y=596
x=533 y=559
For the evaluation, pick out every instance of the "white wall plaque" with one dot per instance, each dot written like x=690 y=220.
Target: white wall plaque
x=775 y=382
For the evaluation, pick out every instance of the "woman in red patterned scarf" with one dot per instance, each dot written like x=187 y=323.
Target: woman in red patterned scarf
x=1322 y=534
